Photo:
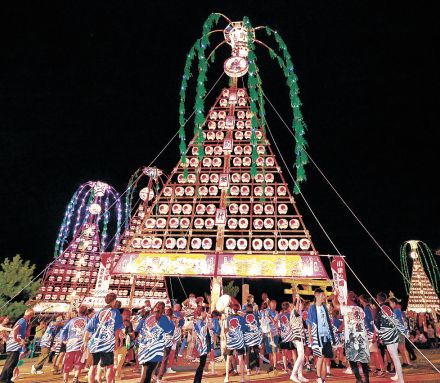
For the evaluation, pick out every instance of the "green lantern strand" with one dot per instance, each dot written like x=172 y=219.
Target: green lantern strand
x=298 y=125
x=186 y=76
x=132 y=184
x=405 y=268
x=197 y=50
x=199 y=106
x=427 y=261
x=430 y=265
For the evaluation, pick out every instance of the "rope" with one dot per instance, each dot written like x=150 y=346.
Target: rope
x=183 y=288
x=163 y=149
x=120 y=196
x=339 y=196
x=339 y=253
x=171 y=288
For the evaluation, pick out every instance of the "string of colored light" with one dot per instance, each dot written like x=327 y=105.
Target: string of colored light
x=298 y=125
x=64 y=230
x=81 y=209
x=429 y=264
x=106 y=219
x=65 y=223
x=119 y=219
x=132 y=185
x=405 y=268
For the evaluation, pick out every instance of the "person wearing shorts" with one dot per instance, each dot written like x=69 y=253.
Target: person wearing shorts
x=286 y=334
x=272 y=342
x=320 y=334
x=102 y=336
x=72 y=336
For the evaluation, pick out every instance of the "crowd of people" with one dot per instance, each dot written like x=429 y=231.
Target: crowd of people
x=291 y=337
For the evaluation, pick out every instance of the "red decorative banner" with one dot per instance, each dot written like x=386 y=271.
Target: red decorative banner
x=339 y=279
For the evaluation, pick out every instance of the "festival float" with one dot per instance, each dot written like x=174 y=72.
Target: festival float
x=92 y=223
x=226 y=209
x=423 y=290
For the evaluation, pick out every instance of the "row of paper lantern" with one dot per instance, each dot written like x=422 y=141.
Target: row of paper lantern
x=236 y=161
x=235 y=178
x=61 y=289
x=260 y=223
x=157 y=284
x=81 y=255
x=216 y=162
x=241 y=92
x=90 y=248
x=268 y=244
x=217 y=150
x=171 y=243
x=73 y=271
x=219 y=135
x=225 y=102
x=230 y=123
x=258 y=208
x=232 y=223
x=234 y=191
x=68 y=279
x=222 y=114
x=78 y=263
x=154 y=294
x=210 y=209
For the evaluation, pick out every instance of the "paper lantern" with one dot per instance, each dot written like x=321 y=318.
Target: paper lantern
x=161 y=223
x=170 y=243
x=293 y=244
x=242 y=243
x=232 y=223
x=258 y=224
x=257 y=244
x=231 y=243
x=146 y=243
x=244 y=208
x=210 y=208
x=181 y=243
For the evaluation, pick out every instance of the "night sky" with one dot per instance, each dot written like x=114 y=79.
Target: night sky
x=90 y=90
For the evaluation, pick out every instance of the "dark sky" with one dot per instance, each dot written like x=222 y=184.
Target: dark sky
x=89 y=90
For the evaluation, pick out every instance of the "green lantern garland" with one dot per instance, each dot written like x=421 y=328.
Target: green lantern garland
x=426 y=259
x=197 y=50
x=253 y=94
x=199 y=106
x=298 y=125
x=186 y=76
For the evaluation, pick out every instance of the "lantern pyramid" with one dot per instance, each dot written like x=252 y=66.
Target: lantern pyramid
x=422 y=296
x=215 y=206
x=80 y=275
x=73 y=274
